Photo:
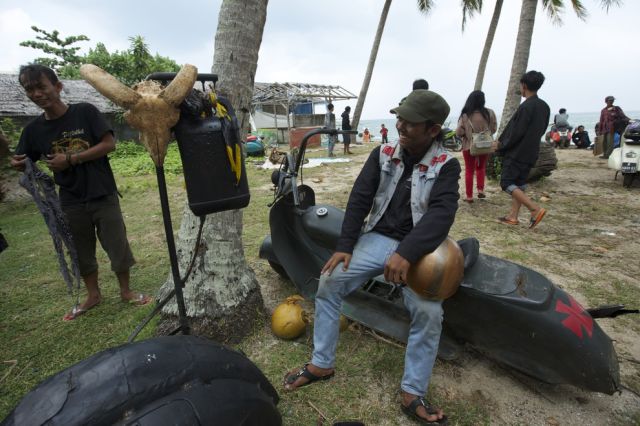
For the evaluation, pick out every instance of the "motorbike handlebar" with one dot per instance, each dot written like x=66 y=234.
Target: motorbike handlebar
x=320 y=131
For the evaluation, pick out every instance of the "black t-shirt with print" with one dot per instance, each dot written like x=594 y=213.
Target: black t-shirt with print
x=79 y=128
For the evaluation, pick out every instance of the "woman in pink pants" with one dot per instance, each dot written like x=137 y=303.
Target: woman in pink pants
x=474 y=118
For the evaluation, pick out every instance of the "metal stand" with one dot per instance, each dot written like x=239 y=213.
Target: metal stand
x=171 y=246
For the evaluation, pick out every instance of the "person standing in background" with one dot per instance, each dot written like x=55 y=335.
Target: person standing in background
x=384 y=132
x=366 y=135
x=474 y=118
x=330 y=123
x=346 y=125
x=612 y=120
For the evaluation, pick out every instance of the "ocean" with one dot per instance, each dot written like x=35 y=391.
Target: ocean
x=587 y=119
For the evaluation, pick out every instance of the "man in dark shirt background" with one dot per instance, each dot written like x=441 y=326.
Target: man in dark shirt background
x=74 y=140
x=409 y=191
x=519 y=144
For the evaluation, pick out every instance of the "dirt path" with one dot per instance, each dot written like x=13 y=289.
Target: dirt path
x=593 y=225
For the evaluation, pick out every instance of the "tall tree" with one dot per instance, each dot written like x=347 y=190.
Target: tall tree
x=357 y=113
x=424 y=6
x=554 y=9
x=484 y=58
x=65 y=56
x=222 y=290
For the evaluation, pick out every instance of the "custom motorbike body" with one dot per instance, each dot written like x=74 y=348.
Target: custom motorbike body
x=512 y=314
x=560 y=137
x=625 y=159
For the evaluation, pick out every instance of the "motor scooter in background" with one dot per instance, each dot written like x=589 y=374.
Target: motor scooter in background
x=559 y=136
x=508 y=312
x=625 y=158
x=451 y=141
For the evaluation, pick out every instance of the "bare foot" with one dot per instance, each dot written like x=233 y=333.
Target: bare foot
x=134 y=298
x=82 y=308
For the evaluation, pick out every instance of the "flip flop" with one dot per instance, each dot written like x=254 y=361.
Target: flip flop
x=290 y=378
x=76 y=312
x=412 y=412
x=506 y=221
x=140 y=300
x=537 y=218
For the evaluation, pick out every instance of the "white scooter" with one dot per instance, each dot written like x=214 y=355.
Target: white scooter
x=626 y=158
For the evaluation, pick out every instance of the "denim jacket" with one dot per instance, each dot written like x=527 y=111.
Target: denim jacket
x=424 y=175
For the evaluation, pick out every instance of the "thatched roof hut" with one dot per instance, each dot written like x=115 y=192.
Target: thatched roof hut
x=15 y=104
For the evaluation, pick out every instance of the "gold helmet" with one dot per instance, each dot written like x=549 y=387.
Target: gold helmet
x=437 y=275
x=289 y=320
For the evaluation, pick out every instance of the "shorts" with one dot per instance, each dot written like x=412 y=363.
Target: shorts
x=101 y=217
x=514 y=175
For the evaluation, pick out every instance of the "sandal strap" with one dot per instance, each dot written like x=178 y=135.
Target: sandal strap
x=431 y=410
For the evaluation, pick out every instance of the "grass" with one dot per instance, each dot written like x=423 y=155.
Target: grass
x=37 y=344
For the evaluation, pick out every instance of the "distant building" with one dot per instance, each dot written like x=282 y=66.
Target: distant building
x=285 y=107
x=15 y=104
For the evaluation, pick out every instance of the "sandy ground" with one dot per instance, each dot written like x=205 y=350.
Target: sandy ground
x=571 y=229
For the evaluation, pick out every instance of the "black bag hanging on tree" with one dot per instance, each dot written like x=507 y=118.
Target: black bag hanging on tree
x=212 y=156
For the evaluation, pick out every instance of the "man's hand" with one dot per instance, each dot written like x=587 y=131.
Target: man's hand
x=335 y=260
x=396 y=269
x=17 y=162
x=57 y=162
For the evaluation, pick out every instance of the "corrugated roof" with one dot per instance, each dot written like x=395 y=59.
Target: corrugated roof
x=14 y=101
x=282 y=93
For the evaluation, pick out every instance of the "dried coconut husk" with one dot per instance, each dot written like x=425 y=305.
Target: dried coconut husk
x=150 y=108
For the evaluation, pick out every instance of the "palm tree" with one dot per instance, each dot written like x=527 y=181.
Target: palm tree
x=469 y=7
x=523 y=44
x=372 y=61
x=222 y=293
x=487 y=45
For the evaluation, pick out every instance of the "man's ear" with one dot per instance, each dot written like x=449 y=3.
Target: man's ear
x=434 y=130
x=59 y=86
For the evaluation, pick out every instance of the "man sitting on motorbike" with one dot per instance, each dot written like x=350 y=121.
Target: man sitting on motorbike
x=409 y=191
x=581 y=138
x=561 y=120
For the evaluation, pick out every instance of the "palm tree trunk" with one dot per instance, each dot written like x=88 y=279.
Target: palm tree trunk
x=520 y=60
x=487 y=45
x=222 y=294
x=372 y=61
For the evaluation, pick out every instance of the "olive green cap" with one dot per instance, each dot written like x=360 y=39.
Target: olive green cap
x=423 y=105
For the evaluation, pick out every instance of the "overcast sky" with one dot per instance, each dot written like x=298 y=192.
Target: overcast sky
x=329 y=41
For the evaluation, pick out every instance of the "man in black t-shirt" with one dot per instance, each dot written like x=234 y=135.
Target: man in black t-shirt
x=74 y=141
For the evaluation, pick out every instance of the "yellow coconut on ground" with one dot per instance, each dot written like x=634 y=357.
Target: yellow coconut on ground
x=289 y=319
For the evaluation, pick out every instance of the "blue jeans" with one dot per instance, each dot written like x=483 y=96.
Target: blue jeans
x=369 y=257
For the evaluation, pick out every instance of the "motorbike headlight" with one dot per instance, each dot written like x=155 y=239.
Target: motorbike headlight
x=631 y=154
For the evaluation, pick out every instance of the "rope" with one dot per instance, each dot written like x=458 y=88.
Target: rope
x=42 y=189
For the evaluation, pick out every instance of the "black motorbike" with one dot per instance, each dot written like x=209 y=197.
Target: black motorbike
x=510 y=313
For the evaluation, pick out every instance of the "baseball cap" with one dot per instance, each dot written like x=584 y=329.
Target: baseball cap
x=423 y=105
x=609 y=98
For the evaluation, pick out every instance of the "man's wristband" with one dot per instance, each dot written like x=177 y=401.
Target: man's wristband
x=68 y=156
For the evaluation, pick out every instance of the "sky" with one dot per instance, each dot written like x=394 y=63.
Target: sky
x=329 y=42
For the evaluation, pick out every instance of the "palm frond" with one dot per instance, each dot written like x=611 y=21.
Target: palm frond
x=579 y=9
x=425 y=6
x=554 y=9
x=469 y=8
x=606 y=4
